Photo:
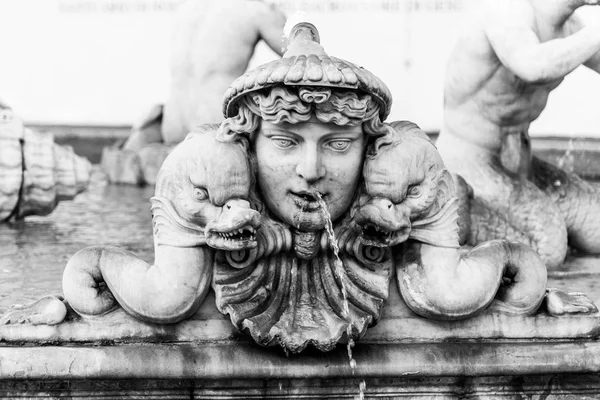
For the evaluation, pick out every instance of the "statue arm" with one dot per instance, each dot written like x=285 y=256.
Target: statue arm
x=593 y=62
x=518 y=47
x=270 y=24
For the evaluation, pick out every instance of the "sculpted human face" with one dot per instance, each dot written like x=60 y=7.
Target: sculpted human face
x=297 y=159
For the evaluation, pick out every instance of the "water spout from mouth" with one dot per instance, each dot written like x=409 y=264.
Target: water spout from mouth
x=339 y=266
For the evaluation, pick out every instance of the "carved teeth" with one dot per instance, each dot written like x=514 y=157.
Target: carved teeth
x=247 y=233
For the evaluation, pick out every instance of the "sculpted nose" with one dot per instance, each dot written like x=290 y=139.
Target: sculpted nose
x=383 y=213
x=310 y=168
x=376 y=211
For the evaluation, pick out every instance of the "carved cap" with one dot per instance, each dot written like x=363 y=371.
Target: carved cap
x=306 y=64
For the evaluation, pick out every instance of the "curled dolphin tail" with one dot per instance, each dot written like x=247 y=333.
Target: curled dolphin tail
x=577 y=200
x=439 y=283
x=83 y=284
x=97 y=279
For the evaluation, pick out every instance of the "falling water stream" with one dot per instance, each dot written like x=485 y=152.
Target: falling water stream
x=567 y=160
x=339 y=266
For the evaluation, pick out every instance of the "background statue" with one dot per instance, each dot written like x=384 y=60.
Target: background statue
x=498 y=80
x=212 y=44
x=35 y=172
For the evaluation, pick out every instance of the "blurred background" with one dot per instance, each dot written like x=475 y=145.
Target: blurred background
x=93 y=67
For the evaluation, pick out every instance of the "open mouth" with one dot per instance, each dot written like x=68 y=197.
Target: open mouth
x=373 y=235
x=234 y=239
x=242 y=234
x=307 y=201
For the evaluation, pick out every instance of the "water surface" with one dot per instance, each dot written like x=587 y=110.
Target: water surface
x=34 y=251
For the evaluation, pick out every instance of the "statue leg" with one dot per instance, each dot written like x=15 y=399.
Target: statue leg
x=578 y=201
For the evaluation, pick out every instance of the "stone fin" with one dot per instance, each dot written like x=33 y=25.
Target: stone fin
x=172 y=230
x=440 y=229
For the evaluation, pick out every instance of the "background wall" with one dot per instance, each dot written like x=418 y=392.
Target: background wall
x=105 y=62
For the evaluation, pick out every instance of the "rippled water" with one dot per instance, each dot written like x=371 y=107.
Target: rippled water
x=33 y=252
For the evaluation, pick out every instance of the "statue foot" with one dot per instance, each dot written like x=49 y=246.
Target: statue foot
x=559 y=302
x=49 y=310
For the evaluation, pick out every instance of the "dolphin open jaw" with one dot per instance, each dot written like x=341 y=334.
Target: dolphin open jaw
x=245 y=233
x=235 y=238
x=378 y=236
x=233 y=229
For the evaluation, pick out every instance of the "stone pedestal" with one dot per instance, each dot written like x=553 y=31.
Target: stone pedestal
x=404 y=356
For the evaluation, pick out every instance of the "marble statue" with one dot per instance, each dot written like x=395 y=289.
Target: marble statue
x=212 y=44
x=497 y=83
x=299 y=209
x=35 y=172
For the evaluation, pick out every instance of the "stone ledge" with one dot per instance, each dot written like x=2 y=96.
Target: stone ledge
x=505 y=387
x=248 y=361
x=488 y=326
x=491 y=356
x=397 y=325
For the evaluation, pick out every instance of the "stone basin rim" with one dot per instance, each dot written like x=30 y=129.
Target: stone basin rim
x=250 y=362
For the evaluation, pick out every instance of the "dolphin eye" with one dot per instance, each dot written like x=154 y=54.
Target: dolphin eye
x=200 y=194
x=413 y=191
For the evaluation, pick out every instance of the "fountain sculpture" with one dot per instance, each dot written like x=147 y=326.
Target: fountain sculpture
x=299 y=209
x=35 y=172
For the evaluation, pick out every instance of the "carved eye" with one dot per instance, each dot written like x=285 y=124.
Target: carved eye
x=413 y=191
x=200 y=194
x=339 y=145
x=282 y=142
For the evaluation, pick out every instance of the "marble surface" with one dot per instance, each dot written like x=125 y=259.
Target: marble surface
x=403 y=356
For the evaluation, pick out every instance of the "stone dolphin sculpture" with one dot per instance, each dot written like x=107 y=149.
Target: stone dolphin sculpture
x=409 y=202
x=201 y=203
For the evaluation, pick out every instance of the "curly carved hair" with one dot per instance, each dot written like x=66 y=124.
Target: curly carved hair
x=299 y=104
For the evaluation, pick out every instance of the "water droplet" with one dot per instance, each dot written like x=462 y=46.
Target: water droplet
x=353 y=364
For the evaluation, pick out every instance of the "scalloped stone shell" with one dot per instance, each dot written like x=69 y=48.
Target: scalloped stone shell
x=281 y=299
